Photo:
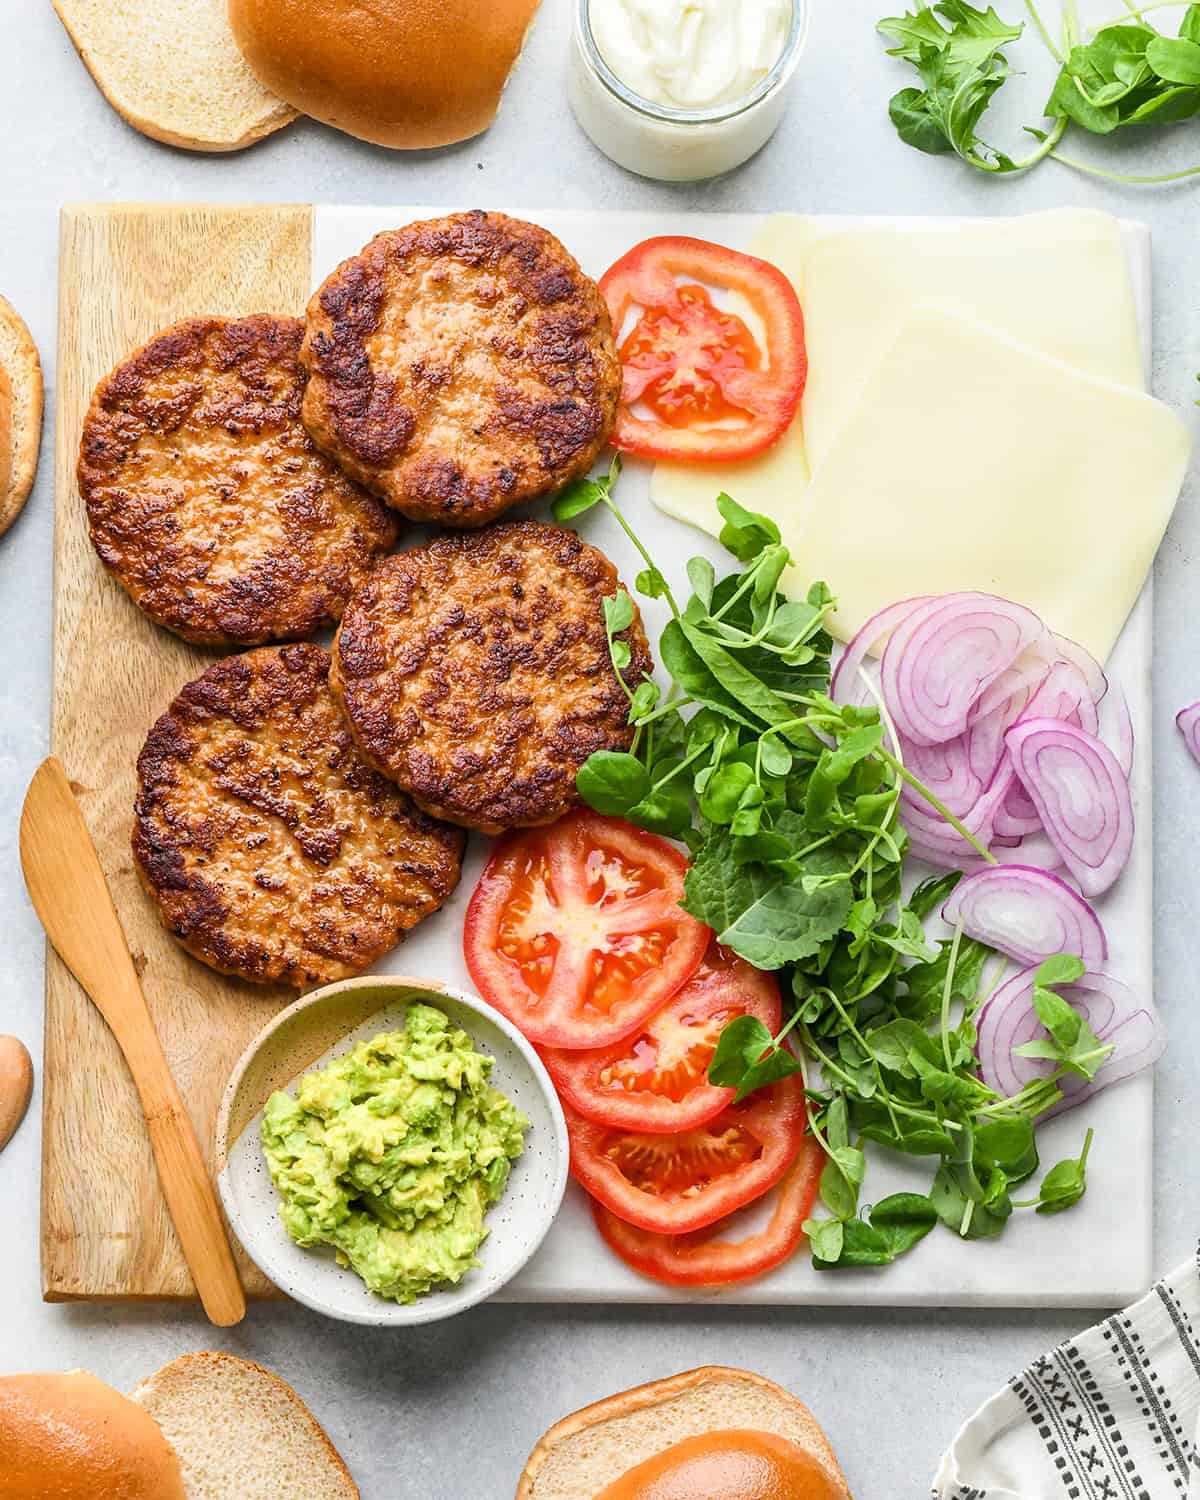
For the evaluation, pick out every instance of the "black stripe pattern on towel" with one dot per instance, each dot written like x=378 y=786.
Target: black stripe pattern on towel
x=1110 y=1415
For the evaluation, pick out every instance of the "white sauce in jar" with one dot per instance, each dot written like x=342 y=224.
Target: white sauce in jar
x=683 y=89
x=691 y=54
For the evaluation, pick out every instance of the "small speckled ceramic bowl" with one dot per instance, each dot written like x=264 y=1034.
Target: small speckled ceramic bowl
x=309 y=1035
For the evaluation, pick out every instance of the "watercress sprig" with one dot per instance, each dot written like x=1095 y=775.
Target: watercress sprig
x=1127 y=74
x=790 y=805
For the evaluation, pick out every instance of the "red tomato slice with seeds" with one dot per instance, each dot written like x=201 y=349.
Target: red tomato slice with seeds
x=656 y=1080
x=575 y=931
x=712 y=1256
x=672 y=1184
x=713 y=393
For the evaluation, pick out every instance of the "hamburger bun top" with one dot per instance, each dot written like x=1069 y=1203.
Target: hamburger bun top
x=734 y=1465
x=651 y=1434
x=403 y=73
x=71 y=1437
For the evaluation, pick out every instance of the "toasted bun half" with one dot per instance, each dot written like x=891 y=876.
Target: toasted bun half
x=20 y=414
x=402 y=73
x=240 y=1431
x=585 y=1453
x=74 y=1438
x=171 y=69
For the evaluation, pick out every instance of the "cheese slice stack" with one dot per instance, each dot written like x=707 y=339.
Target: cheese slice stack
x=975 y=419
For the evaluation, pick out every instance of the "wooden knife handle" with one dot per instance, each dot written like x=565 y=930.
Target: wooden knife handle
x=186 y=1184
x=70 y=894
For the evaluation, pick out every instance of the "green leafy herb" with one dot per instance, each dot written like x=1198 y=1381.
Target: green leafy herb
x=1127 y=74
x=789 y=803
x=1065 y=1184
x=962 y=65
x=1071 y=1042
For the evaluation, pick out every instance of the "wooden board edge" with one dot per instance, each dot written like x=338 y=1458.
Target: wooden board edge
x=57 y=1285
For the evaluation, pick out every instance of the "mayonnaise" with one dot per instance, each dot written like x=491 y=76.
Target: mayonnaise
x=683 y=89
x=691 y=54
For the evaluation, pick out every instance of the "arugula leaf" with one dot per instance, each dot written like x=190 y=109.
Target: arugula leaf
x=961 y=66
x=762 y=916
x=790 y=806
x=1126 y=74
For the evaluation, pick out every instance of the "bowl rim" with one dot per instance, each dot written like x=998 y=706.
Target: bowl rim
x=427 y=1309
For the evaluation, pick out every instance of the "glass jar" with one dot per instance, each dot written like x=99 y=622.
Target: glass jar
x=676 y=145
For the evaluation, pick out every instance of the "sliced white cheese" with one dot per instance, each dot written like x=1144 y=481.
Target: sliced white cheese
x=774 y=484
x=1058 y=282
x=970 y=461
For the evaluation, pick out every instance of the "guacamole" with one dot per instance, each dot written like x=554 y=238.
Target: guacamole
x=393 y=1155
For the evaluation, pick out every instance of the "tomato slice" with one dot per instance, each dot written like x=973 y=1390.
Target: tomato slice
x=698 y=368
x=672 y=1184
x=656 y=1080
x=708 y=1257
x=575 y=931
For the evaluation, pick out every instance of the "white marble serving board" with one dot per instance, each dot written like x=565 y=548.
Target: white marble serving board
x=1097 y=1255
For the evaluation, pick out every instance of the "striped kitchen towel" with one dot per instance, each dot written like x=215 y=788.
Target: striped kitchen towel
x=1111 y=1415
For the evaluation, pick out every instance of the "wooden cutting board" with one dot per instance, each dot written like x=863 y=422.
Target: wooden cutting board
x=125 y=272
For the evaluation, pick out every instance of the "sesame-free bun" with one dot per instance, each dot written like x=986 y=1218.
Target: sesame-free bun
x=586 y=1453
x=170 y=69
x=20 y=414
x=241 y=1431
x=74 y=1438
x=403 y=73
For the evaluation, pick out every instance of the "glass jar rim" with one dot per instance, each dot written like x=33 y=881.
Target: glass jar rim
x=716 y=115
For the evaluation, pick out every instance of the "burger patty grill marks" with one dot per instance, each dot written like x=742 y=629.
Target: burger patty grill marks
x=461 y=366
x=475 y=672
x=272 y=850
x=207 y=499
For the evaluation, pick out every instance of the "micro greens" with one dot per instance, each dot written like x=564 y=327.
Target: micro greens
x=1128 y=73
x=789 y=804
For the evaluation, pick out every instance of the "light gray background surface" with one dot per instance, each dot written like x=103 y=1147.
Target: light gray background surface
x=451 y=1411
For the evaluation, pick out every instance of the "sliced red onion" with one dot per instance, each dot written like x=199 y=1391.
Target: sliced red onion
x=1116 y=728
x=945 y=654
x=1014 y=687
x=1035 y=851
x=1017 y=817
x=1110 y=1008
x=1084 y=662
x=846 y=685
x=946 y=770
x=1064 y=694
x=1028 y=914
x=1081 y=795
x=1188 y=720
x=939 y=843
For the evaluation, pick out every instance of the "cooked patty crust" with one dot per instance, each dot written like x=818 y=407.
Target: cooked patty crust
x=461 y=366
x=272 y=850
x=475 y=672
x=206 y=498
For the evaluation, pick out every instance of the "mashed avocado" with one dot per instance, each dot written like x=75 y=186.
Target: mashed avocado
x=393 y=1155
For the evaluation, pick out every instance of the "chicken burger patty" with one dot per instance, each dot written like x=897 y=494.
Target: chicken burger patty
x=475 y=672
x=207 y=499
x=272 y=850
x=461 y=366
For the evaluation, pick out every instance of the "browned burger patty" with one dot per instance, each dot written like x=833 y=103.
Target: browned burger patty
x=461 y=366
x=475 y=672
x=206 y=498
x=272 y=851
